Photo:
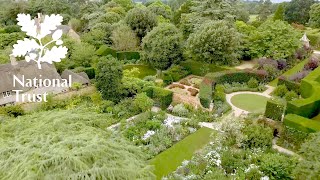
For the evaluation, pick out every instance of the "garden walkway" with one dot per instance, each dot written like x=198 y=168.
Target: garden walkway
x=237 y=111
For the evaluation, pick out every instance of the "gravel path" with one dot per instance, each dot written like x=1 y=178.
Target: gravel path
x=237 y=111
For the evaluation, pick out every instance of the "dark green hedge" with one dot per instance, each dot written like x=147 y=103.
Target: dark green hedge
x=291 y=85
x=105 y=50
x=128 y=55
x=205 y=94
x=174 y=73
x=301 y=123
x=161 y=96
x=90 y=71
x=275 y=109
x=201 y=68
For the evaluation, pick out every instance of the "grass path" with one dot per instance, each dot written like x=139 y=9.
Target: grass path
x=168 y=161
x=290 y=72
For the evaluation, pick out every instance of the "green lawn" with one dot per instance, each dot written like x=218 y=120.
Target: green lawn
x=168 y=161
x=200 y=68
x=290 y=72
x=145 y=70
x=250 y=102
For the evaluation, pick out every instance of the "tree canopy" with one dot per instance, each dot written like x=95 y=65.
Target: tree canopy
x=315 y=16
x=297 y=11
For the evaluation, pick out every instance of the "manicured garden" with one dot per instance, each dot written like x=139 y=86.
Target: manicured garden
x=169 y=160
x=250 y=102
x=144 y=70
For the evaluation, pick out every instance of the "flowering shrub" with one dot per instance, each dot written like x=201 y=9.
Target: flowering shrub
x=180 y=110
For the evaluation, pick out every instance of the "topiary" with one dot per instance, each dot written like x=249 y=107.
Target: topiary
x=253 y=83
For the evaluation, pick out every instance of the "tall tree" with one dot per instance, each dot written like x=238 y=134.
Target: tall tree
x=215 y=42
x=279 y=14
x=162 y=46
x=124 y=39
x=264 y=9
x=108 y=78
x=297 y=11
x=315 y=16
x=141 y=21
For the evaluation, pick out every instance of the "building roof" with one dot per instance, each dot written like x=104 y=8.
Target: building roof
x=75 y=77
x=28 y=69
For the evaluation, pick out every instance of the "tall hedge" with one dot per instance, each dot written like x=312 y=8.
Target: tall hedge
x=275 y=110
x=161 y=96
x=291 y=85
x=301 y=123
x=205 y=94
x=128 y=55
x=105 y=50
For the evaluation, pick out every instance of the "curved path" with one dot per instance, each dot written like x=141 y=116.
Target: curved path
x=237 y=111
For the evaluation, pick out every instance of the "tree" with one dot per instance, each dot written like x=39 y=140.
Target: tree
x=83 y=54
x=215 y=42
x=297 y=11
x=274 y=39
x=126 y=4
x=279 y=14
x=97 y=37
x=108 y=78
x=124 y=39
x=143 y=102
x=246 y=31
x=264 y=9
x=314 y=20
x=162 y=46
x=160 y=9
x=141 y=21
x=309 y=166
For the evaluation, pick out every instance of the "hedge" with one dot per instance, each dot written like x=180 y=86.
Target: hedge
x=314 y=39
x=128 y=55
x=174 y=73
x=161 y=96
x=90 y=71
x=207 y=85
x=201 y=68
x=206 y=91
x=291 y=85
x=301 y=123
x=275 y=109
x=105 y=50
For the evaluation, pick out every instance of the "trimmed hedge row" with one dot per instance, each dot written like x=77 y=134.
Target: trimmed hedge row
x=174 y=73
x=275 y=109
x=105 y=50
x=207 y=85
x=161 y=96
x=301 y=123
x=200 y=68
x=291 y=85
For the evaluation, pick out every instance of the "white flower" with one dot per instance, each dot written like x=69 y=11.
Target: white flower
x=148 y=135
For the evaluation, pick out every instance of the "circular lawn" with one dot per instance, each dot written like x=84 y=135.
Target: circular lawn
x=250 y=102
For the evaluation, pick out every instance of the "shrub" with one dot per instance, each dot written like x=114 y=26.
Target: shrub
x=301 y=123
x=291 y=85
x=253 y=83
x=267 y=61
x=257 y=136
x=161 y=96
x=12 y=110
x=143 y=102
x=128 y=55
x=180 y=110
x=280 y=91
x=174 y=74
x=312 y=64
x=299 y=76
x=291 y=95
x=205 y=94
x=76 y=86
x=271 y=70
x=282 y=64
x=90 y=71
x=193 y=92
x=275 y=109
x=185 y=82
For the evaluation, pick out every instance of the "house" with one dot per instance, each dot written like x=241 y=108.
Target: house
x=29 y=70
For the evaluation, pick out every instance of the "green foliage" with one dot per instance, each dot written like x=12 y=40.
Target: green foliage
x=200 y=68
x=253 y=83
x=291 y=95
x=161 y=96
x=275 y=109
x=160 y=9
x=143 y=102
x=144 y=70
x=141 y=21
x=162 y=46
x=12 y=110
x=291 y=85
x=205 y=94
x=108 y=78
x=180 y=110
x=9 y=39
x=281 y=91
x=215 y=42
x=297 y=11
x=314 y=20
x=174 y=74
x=75 y=145
x=279 y=14
x=128 y=55
x=83 y=54
x=275 y=39
x=75 y=24
x=309 y=166
x=301 y=123
x=277 y=166
x=105 y=50
x=90 y=71
x=291 y=138
x=76 y=86
x=246 y=31
x=96 y=37
x=124 y=39
x=126 y=4
x=257 y=136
